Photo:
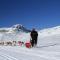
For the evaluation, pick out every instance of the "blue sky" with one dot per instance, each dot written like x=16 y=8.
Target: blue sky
x=30 y=13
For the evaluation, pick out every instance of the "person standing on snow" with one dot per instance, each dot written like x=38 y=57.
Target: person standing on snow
x=34 y=36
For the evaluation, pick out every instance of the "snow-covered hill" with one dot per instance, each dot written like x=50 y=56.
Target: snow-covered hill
x=48 y=47
x=50 y=31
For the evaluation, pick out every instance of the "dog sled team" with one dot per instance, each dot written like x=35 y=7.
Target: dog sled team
x=31 y=43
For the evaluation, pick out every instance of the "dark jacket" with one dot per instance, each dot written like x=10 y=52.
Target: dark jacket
x=34 y=34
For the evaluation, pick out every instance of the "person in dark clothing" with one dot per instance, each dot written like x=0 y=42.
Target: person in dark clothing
x=34 y=36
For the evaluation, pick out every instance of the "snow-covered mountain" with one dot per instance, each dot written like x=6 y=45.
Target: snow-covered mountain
x=14 y=28
x=16 y=32
x=21 y=28
x=48 y=47
x=19 y=32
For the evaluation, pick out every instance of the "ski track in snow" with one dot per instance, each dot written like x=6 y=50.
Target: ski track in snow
x=7 y=57
x=9 y=54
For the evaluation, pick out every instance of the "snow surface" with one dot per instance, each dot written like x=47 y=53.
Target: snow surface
x=48 y=47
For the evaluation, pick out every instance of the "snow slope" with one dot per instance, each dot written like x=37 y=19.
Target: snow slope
x=48 y=47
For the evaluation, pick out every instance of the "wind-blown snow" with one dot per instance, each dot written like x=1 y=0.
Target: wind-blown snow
x=48 y=47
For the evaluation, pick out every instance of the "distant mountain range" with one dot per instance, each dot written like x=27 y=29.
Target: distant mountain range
x=21 y=28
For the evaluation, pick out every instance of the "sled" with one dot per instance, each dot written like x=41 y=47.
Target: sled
x=28 y=45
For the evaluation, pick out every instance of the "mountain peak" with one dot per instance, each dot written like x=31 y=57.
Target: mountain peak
x=20 y=27
x=17 y=26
